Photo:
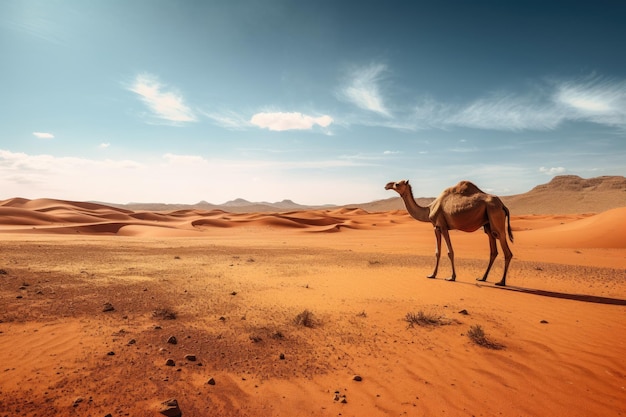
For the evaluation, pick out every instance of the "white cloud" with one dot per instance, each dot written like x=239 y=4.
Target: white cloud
x=364 y=90
x=43 y=135
x=280 y=121
x=164 y=104
x=104 y=145
x=552 y=171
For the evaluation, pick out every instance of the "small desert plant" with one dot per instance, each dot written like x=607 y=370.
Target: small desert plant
x=305 y=319
x=478 y=336
x=164 y=314
x=423 y=319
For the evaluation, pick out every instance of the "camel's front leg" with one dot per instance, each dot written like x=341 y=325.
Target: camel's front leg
x=437 y=252
x=493 y=252
x=446 y=236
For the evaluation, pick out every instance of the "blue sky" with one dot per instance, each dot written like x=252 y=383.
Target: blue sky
x=314 y=101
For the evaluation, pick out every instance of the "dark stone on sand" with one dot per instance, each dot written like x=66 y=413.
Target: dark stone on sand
x=108 y=307
x=170 y=362
x=211 y=381
x=111 y=353
x=357 y=378
x=190 y=358
x=170 y=408
x=464 y=312
x=544 y=322
x=282 y=356
x=172 y=340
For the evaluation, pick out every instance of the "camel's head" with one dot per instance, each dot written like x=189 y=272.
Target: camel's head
x=400 y=187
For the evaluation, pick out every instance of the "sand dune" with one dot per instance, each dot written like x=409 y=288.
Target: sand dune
x=603 y=230
x=237 y=282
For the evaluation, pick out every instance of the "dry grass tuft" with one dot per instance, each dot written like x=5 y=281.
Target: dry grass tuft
x=424 y=319
x=478 y=336
x=305 y=319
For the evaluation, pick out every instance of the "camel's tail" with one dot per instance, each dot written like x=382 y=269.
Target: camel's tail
x=508 y=221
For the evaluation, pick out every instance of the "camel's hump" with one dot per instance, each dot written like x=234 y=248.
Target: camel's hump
x=464 y=188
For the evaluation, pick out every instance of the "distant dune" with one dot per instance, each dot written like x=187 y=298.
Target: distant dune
x=563 y=195
x=566 y=194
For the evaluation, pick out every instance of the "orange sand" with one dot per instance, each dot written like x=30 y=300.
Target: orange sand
x=237 y=281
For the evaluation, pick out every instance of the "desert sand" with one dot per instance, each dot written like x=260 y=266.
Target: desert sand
x=280 y=312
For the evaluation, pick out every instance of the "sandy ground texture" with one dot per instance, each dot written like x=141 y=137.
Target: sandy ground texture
x=313 y=313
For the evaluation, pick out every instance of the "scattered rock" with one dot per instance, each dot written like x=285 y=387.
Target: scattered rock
x=190 y=358
x=77 y=401
x=341 y=398
x=170 y=362
x=19 y=297
x=544 y=322
x=172 y=340
x=170 y=408
x=282 y=356
x=111 y=353
x=108 y=307
x=3 y=272
x=464 y=312
x=357 y=378
x=233 y=293
x=132 y=341
x=222 y=318
x=211 y=381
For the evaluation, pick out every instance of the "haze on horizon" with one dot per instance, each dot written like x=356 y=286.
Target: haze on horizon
x=317 y=102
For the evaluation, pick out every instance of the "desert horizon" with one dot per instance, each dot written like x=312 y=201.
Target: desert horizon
x=109 y=311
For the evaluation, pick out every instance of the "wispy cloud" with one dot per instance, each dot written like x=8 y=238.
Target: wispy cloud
x=164 y=103
x=596 y=100
x=280 y=121
x=228 y=120
x=542 y=108
x=363 y=90
x=43 y=135
x=104 y=145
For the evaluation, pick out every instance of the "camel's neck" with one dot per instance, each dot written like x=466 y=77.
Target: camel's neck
x=415 y=210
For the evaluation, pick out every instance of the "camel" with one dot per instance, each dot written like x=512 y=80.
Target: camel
x=462 y=207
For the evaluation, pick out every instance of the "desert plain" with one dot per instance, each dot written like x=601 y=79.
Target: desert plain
x=306 y=313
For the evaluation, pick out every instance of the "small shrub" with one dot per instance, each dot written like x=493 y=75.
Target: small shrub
x=478 y=336
x=305 y=319
x=423 y=319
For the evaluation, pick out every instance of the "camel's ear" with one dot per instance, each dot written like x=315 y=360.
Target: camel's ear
x=406 y=181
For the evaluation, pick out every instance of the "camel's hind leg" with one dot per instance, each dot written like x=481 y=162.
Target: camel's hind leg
x=493 y=251
x=508 y=255
x=497 y=224
x=437 y=252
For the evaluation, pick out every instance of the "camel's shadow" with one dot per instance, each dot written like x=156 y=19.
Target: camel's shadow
x=576 y=297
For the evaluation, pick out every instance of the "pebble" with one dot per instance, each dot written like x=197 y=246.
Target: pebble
x=170 y=362
x=357 y=378
x=172 y=340
x=190 y=358
x=108 y=307
x=211 y=381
